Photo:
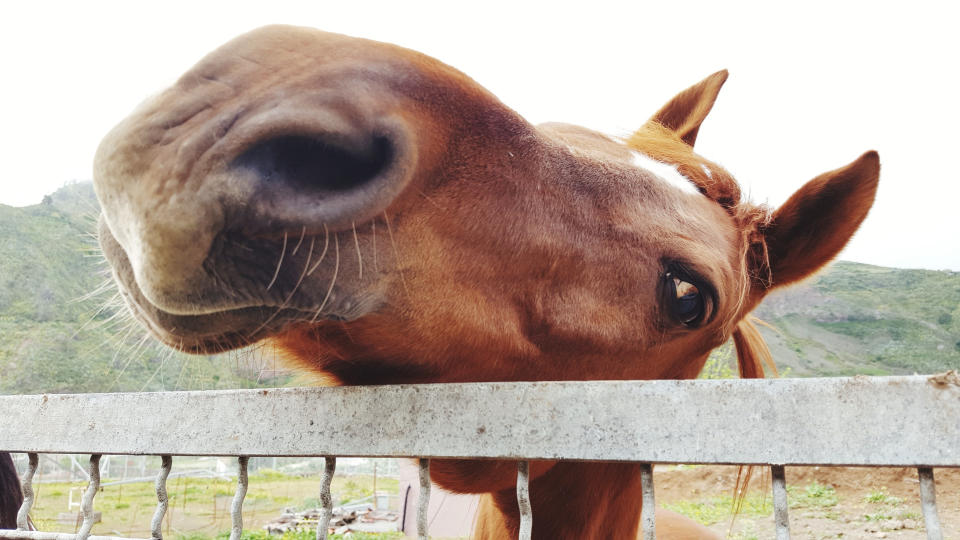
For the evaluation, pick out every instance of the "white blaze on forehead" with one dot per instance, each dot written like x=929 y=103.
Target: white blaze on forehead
x=664 y=171
x=707 y=171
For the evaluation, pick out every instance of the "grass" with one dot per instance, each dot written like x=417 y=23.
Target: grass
x=199 y=507
x=880 y=496
x=717 y=509
x=813 y=495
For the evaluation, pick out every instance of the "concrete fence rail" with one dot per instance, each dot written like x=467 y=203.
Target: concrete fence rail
x=872 y=421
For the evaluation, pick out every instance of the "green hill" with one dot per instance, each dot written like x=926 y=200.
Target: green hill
x=861 y=319
x=59 y=334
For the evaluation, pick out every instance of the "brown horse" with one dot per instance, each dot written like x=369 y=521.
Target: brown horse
x=381 y=218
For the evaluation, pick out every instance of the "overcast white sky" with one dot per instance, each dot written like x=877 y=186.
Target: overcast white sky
x=812 y=86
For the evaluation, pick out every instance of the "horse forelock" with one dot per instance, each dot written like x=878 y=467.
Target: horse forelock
x=663 y=145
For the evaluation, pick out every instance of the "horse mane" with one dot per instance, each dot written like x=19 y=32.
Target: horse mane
x=752 y=351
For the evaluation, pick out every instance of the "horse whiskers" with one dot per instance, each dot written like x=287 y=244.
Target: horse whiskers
x=279 y=263
x=373 y=233
x=303 y=231
x=286 y=301
x=356 y=242
x=326 y=244
x=132 y=355
x=144 y=387
x=396 y=255
x=183 y=368
x=333 y=280
x=107 y=304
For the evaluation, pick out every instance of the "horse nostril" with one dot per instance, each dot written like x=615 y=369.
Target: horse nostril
x=310 y=165
x=314 y=169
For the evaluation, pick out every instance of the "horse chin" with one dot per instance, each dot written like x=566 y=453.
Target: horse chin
x=212 y=331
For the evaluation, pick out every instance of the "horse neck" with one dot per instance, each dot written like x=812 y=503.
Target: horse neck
x=571 y=501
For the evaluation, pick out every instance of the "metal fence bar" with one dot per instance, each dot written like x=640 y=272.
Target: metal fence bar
x=648 y=519
x=86 y=504
x=780 y=518
x=928 y=501
x=423 y=504
x=523 y=500
x=326 y=498
x=23 y=515
x=166 y=463
x=236 y=508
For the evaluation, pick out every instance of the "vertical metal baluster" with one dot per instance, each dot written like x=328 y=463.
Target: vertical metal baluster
x=523 y=500
x=648 y=503
x=326 y=499
x=23 y=519
x=236 y=509
x=928 y=500
x=424 y=503
x=86 y=503
x=780 y=518
x=166 y=463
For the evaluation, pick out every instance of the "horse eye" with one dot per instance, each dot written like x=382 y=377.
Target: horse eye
x=685 y=302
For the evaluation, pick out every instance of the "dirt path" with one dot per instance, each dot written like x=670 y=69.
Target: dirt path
x=825 y=502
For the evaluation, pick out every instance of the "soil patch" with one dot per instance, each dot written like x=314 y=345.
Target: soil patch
x=825 y=502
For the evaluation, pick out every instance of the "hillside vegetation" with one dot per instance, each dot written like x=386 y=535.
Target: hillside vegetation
x=60 y=332
x=861 y=319
x=62 y=328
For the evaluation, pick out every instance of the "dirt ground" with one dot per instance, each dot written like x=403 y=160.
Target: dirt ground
x=825 y=502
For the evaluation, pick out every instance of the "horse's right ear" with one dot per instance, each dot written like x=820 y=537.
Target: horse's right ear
x=687 y=110
x=818 y=220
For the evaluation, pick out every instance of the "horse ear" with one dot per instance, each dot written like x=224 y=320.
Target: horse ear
x=687 y=110
x=818 y=220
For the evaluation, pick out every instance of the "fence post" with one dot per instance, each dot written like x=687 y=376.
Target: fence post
x=23 y=515
x=236 y=508
x=86 y=504
x=423 y=505
x=166 y=463
x=780 y=517
x=523 y=500
x=326 y=499
x=648 y=509
x=928 y=500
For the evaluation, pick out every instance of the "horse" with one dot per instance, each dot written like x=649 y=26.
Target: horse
x=380 y=218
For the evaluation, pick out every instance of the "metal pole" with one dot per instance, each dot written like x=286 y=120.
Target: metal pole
x=86 y=504
x=780 y=518
x=236 y=509
x=523 y=500
x=23 y=515
x=928 y=500
x=166 y=463
x=326 y=499
x=648 y=509
x=424 y=503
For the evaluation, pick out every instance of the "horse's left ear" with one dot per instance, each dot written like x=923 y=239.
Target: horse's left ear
x=818 y=220
x=687 y=110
